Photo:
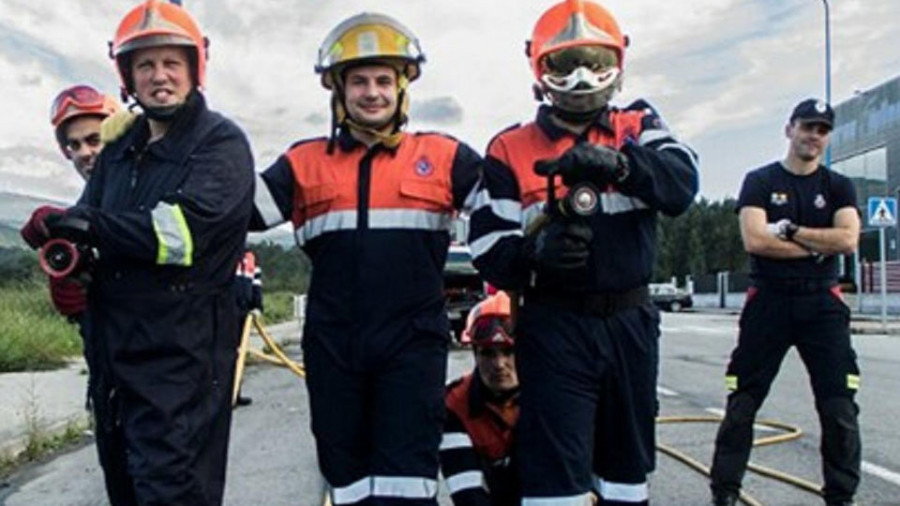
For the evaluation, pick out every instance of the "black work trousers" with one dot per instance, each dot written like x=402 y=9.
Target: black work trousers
x=816 y=321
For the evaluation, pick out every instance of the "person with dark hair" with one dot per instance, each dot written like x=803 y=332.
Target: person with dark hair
x=796 y=218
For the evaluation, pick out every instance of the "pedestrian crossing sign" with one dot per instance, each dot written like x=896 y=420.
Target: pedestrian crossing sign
x=882 y=212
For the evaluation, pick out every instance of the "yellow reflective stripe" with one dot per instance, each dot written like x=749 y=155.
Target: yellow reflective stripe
x=853 y=381
x=731 y=382
x=176 y=245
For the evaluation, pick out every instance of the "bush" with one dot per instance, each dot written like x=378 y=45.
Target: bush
x=279 y=307
x=34 y=336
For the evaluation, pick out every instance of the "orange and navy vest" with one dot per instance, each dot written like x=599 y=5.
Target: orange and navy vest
x=490 y=426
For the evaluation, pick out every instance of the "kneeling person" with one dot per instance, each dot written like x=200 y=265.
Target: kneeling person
x=482 y=409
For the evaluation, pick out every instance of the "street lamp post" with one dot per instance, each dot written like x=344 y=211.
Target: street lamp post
x=827 y=71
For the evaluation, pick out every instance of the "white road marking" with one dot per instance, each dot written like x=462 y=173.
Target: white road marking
x=666 y=392
x=884 y=474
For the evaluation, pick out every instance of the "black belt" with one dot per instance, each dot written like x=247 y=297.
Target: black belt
x=795 y=286
x=597 y=304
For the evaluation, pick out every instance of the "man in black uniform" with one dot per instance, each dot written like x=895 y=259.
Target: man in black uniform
x=796 y=216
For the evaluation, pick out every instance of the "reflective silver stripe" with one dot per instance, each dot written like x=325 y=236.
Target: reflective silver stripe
x=622 y=492
x=684 y=149
x=462 y=481
x=352 y=493
x=653 y=135
x=328 y=222
x=413 y=219
x=531 y=213
x=404 y=486
x=507 y=209
x=453 y=440
x=615 y=202
x=471 y=200
x=572 y=500
x=175 y=246
x=484 y=243
x=265 y=204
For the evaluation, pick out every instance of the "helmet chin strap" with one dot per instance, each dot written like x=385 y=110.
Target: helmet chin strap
x=169 y=113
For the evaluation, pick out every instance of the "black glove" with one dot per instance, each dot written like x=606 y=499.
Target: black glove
x=586 y=162
x=559 y=245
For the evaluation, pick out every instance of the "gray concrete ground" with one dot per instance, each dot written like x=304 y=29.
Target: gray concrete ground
x=52 y=399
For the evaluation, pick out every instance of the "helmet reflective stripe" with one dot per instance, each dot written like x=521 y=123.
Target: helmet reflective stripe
x=579 y=29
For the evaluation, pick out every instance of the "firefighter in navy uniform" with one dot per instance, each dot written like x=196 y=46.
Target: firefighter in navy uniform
x=372 y=208
x=166 y=208
x=587 y=333
x=796 y=216
x=482 y=411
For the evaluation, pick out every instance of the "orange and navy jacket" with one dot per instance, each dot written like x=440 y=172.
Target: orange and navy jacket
x=248 y=283
x=476 y=448
x=663 y=178
x=375 y=223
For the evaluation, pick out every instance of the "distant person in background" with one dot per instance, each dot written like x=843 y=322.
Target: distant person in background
x=248 y=293
x=796 y=217
x=482 y=411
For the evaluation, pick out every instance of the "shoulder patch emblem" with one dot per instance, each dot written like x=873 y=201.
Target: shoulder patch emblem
x=424 y=167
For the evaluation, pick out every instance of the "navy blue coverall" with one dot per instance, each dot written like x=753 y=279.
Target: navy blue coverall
x=587 y=347
x=169 y=221
x=375 y=224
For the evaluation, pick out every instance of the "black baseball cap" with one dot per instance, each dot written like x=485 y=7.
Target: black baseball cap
x=812 y=110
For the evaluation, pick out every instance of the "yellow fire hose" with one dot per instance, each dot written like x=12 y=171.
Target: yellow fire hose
x=254 y=321
x=791 y=432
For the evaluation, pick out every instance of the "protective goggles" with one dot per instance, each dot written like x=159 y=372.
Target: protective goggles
x=83 y=98
x=490 y=332
x=581 y=81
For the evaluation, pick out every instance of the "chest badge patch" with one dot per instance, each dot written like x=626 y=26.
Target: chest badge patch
x=819 y=202
x=424 y=167
x=778 y=198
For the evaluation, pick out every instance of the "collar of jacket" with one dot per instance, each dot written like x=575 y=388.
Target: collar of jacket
x=348 y=143
x=555 y=132
x=178 y=138
x=480 y=396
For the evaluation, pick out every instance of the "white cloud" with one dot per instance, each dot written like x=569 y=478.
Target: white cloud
x=724 y=73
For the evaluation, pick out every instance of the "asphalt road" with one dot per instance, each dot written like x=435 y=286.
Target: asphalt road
x=272 y=457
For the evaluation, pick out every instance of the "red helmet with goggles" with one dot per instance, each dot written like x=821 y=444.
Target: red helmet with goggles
x=76 y=101
x=489 y=323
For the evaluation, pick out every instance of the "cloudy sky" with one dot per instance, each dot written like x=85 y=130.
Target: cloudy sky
x=723 y=73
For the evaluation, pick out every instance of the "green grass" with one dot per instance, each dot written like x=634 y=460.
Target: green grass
x=33 y=336
x=279 y=307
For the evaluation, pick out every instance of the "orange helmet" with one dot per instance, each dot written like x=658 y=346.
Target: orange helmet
x=488 y=324
x=157 y=23
x=75 y=101
x=573 y=23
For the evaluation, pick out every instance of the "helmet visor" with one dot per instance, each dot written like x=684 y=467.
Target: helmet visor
x=82 y=98
x=492 y=332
